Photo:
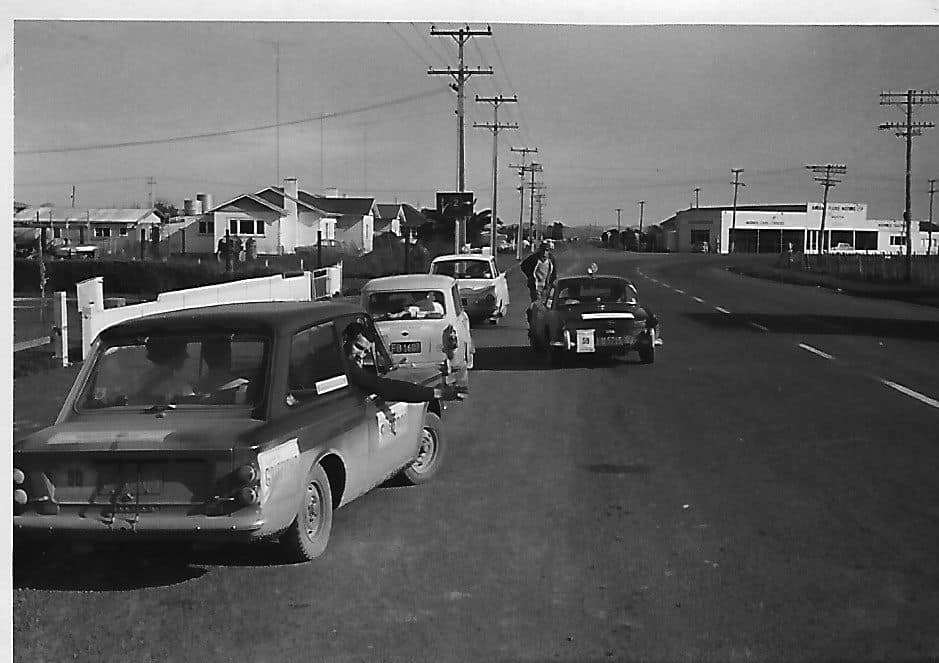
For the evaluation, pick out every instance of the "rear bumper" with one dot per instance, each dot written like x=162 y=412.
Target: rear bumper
x=95 y=524
x=481 y=311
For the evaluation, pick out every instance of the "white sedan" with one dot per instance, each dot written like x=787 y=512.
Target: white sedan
x=484 y=290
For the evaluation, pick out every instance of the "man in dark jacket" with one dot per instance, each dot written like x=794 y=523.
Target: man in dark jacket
x=357 y=347
x=540 y=271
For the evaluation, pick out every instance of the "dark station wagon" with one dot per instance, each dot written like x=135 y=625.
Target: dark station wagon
x=227 y=423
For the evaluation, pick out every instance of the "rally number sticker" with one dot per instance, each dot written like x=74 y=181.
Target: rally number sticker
x=274 y=462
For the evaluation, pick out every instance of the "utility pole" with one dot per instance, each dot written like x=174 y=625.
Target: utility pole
x=618 y=210
x=150 y=183
x=932 y=190
x=642 y=205
x=540 y=198
x=696 y=202
x=733 y=224
x=277 y=112
x=908 y=129
x=495 y=126
x=535 y=167
x=73 y=196
x=521 y=190
x=460 y=76
x=823 y=173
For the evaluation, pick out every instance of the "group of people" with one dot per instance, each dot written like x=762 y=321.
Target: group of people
x=232 y=247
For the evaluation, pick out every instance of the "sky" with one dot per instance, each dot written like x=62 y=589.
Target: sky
x=634 y=111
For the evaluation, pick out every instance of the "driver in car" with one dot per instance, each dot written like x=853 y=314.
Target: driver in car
x=357 y=348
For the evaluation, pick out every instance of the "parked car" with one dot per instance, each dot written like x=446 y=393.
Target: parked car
x=231 y=423
x=484 y=291
x=420 y=316
x=591 y=315
x=74 y=250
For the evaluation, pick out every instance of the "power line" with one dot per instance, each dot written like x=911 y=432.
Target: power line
x=232 y=132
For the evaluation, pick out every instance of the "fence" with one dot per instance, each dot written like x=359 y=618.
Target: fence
x=58 y=336
x=884 y=268
x=306 y=286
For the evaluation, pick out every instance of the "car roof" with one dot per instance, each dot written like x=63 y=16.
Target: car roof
x=252 y=316
x=410 y=282
x=462 y=256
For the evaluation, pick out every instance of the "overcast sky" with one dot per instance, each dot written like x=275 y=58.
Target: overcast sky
x=618 y=113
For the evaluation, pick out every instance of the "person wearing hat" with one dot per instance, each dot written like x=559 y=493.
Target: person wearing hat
x=540 y=270
x=165 y=383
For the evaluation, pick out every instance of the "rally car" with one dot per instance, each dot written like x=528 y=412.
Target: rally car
x=224 y=423
x=484 y=291
x=419 y=315
x=591 y=315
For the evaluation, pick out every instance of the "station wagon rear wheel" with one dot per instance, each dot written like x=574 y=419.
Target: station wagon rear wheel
x=430 y=454
x=307 y=537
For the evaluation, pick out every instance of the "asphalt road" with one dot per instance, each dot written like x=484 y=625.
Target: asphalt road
x=743 y=498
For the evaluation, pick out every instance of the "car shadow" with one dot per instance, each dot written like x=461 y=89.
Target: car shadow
x=107 y=570
x=921 y=330
x=523 y=358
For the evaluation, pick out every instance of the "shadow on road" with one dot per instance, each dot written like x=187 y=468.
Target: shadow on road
x=523 y=358
x=108 y=570
x=925 y=330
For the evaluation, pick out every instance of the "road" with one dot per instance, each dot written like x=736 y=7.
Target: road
x=758 y=493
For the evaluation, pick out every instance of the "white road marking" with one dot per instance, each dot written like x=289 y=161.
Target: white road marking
x=906 y=391
x=680 y=292
x=759 y=326
x=815 y=351
x=722 y=310
x=698 y=299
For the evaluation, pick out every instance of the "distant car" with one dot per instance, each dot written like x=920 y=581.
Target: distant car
x=230 y=423
x=74 y=251
x=484 y=291
x=422 y=320
x=591 y=315
x=842 y=246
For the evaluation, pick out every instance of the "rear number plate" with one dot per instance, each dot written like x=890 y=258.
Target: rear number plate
x=406 y=348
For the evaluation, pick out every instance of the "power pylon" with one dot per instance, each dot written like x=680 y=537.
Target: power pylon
x=495 y=127
x=908 y=129
x=824 y=175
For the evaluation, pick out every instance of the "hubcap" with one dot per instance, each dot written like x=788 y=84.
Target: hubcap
x=427 y=452
x=314 y=509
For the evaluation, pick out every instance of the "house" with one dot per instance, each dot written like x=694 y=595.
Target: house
x=280 y=219
x=117 y=232
x=388 y=218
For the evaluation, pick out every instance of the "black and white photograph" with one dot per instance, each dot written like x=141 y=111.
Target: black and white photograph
x=472 y=332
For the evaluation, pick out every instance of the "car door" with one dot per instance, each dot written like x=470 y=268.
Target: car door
x=462 y=326
x=394 y=428
x=502 y=285
x=321 y=410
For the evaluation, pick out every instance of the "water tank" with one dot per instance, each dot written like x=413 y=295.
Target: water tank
x=188 y=207
x=206 y=200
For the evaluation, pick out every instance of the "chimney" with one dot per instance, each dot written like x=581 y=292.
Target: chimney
x=290 y=220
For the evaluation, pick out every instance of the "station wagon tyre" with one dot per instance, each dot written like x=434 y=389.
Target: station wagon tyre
x=430 y=455
x=556 y=356
x=307 y=537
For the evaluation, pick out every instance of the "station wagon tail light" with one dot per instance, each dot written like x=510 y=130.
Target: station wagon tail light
x=246 y=474
x=20 y=497
x=18 y=476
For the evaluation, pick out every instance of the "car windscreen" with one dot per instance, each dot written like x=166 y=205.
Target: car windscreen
x=407 y=305
x=603 y=291
x=164 y=369
x=463 y=269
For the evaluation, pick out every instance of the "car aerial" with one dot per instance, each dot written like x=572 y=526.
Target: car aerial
x=484 y=291
x=591 y=315
x=419 y=316
x=229 y=423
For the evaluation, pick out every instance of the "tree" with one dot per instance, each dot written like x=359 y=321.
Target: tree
x=165 y=209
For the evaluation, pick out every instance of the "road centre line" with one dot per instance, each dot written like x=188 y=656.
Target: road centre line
x=759 y=326
x=698 y=299
x=680 y=292
x=815 y=351
x=722 y=310
x=906 y=391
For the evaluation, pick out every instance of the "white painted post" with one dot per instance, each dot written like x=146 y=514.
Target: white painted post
x=87 y=331
x=60 y=333
x=90 y=300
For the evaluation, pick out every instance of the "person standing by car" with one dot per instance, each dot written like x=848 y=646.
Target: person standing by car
x=356 y=347
x=540 y=270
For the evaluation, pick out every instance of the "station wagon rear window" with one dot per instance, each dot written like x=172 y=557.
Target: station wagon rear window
x=407 y=305
x=209 y=369
x=463 y=269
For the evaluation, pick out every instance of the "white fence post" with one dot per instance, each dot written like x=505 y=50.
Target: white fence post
x=60 y=333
